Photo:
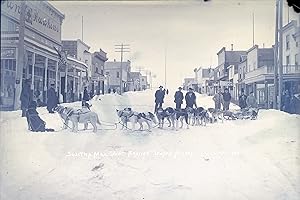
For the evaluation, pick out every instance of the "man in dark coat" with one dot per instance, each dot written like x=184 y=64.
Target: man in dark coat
x=25 y=97
x=286 y=101
x=159 y=98
x=52 y=99
x=242 y=100
x=226 y=99
x=178 y=98
x=85 y=95
x=190 y=98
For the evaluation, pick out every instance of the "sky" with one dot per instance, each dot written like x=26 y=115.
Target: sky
x=183 y=35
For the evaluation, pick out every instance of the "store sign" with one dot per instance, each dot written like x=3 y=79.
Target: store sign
x=8 y=53
x=38 y=16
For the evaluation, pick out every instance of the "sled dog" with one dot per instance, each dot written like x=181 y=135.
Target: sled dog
x=215 y=115
x=76 y=116
x=128 y=115
x=201 y=116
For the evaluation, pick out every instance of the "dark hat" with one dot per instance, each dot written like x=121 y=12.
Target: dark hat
x=160 y=87
x=191 y=88
x=180 y=88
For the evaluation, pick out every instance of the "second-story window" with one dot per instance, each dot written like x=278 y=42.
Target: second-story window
x=118 y=74
x=101 y=71
x=96 y=70
x=287 y=42
x=287 y=60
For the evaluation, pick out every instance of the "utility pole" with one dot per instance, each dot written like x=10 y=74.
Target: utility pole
x=20 y=61
x=275 y=103
x=280 y=66
x=122 y=48
x=82 y=28
x=165 y=67
x=253 y=28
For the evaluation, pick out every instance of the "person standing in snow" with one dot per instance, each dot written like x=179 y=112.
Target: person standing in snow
x=251 y=101
x=218 y=99
x=286 y=101
x=242 y=100
x=178 y=98
x=26 y=96
x=52 y=99
x=159 y=98
x=226 y=99
x=85 y=97
x=190 y=98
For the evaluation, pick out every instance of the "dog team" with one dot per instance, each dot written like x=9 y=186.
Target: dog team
x=190 y=115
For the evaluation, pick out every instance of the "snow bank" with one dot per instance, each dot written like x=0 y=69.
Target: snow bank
x=239 y=159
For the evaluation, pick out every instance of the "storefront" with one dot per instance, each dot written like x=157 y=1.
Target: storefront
x=42 y=33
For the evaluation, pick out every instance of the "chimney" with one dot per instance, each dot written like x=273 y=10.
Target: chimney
x=263 y=45
x=231 y=47
x=114 y=60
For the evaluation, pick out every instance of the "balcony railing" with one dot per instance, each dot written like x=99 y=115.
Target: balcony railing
x=267 y=70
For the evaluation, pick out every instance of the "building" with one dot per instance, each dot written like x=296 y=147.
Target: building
x=134 y=81
x=242 y=70
x=79 y=70
x=36 y=58
x=144 y=83
x=189 y=83
x=113 y=73
x=291 y=56
x=227 y=59
x=259 y=76
x=97 y=71
x=201 y=77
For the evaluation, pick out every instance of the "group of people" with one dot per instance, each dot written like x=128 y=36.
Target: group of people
x=221 y=99
x=27 y=97
x=289 y=102
x=224 y=99
x=190 y=98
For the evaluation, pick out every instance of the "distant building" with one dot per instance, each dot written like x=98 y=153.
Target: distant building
x=144 y=83
x=227 y=59
x=113 y=72
x=79 y=70
x=201 y=78
x=189 y=83
x=134 y=81
x=97 y=72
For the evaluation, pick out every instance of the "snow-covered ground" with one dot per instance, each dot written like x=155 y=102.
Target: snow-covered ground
x=239 y=159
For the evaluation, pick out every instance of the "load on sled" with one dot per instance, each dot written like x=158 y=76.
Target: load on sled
x=245 y=113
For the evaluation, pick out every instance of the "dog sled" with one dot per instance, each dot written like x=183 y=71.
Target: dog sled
x=246 y=113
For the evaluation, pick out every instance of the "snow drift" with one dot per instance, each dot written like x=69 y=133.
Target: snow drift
x=240 y=159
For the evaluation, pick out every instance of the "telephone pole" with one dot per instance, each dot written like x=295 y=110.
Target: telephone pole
x=280 y=66
x=275 y=103
x=122 y=48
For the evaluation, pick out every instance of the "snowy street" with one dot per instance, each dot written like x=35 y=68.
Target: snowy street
x=241 y=159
